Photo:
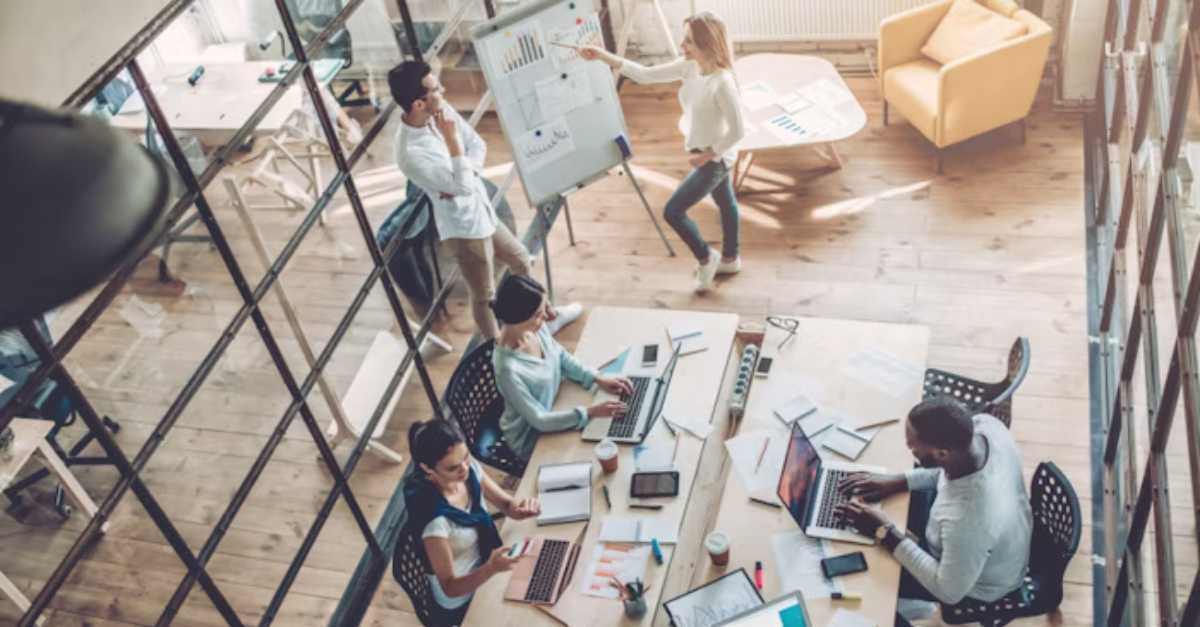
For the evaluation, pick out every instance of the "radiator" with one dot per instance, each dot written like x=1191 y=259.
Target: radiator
x=804 y=20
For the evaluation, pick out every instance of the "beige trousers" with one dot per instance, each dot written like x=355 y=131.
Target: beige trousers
x=476 y=262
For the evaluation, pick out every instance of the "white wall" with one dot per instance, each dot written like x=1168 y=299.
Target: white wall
x=50 y=47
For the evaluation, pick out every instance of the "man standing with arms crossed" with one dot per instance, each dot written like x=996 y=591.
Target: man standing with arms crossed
x=443 y=155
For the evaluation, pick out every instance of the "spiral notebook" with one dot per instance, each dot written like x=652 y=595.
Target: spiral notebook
x=565 y=491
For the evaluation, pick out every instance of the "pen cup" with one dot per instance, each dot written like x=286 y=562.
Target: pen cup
x=635 y=608
x=607 y=455
x=717 y=544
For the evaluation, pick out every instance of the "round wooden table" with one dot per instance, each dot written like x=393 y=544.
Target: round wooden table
x=823 y=109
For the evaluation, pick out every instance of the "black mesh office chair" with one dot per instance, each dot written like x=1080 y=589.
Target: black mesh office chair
x=410 y=569
x=978 y=396
x=1057 y=526
x=312 y=16
x=475 y=402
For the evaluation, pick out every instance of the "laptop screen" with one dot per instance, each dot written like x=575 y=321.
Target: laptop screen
x=799 y=474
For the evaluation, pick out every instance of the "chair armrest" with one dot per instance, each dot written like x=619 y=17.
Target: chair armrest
x=990 y=88
x=902 y=35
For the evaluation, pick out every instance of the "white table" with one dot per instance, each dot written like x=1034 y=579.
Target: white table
x=29 y=440
x=786 y=74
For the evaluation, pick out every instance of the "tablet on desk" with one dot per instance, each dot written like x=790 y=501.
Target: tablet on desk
x=786 y=611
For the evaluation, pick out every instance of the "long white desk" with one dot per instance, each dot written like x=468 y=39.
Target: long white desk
x=814 y=363
x=693 y=393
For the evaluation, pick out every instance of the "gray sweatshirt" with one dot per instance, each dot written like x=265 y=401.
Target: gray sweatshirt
x=979 y=527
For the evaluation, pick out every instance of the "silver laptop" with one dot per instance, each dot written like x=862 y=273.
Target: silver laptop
x=643 y=408
x=808 y=488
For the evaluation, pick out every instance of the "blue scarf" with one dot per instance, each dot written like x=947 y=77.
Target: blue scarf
x=424 y=502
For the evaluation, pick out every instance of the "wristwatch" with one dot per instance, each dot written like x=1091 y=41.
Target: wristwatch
x=882 y=531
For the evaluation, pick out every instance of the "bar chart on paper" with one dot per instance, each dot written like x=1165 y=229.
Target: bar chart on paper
x=585 y=32
x=519 y=48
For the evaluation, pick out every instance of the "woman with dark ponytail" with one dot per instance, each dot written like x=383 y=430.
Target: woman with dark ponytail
x=530 y=366
x=444 y=496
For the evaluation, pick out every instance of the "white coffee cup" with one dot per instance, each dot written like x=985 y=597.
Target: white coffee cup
x=606 y=452
x=717 y=544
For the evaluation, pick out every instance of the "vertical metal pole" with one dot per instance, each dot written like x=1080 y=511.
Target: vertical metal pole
x=570 y=228
x=546 y=251
x=410 y=31
x=646 y=204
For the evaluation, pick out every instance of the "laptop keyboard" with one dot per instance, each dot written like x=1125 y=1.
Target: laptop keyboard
x=622 y=425
x=545 y=571
x=832 y=497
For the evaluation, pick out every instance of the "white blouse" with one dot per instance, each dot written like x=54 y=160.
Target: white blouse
x=464 y=549
x=712 y=112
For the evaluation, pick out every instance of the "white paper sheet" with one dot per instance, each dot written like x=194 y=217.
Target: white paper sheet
x=625 y=563
x=585 y=33
x=795 y=408
x=758 y=95
x=798 y=565
x=562 y=93
x=745 y=451
x=847 y=443
x=695 y=426
x=638 y=529
x=518 y=48
x=885 y=372
x=546 y=144
x=654 y=456
x=846 y=618
x=827 y=93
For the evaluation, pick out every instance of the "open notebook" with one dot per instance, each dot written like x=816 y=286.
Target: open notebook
x=565 y=491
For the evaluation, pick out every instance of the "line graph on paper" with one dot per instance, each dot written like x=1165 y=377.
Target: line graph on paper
x=585 y=32
x=545 y=144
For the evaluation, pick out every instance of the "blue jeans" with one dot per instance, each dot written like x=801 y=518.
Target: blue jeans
x=713 y=179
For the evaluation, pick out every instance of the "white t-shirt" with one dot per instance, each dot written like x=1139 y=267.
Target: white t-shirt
x=712 y=110
x=464 y=549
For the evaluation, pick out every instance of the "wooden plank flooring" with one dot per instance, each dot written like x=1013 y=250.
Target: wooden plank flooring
x=988 y=251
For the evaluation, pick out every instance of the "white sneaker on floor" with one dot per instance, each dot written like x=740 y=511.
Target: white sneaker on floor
x=706 y=272
x=730 y=267
x=566 y=315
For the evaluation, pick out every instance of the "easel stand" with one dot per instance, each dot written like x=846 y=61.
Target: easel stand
x=628 y=10
x=342 y=428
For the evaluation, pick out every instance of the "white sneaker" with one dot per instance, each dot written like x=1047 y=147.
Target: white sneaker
x=730 y=267
x=706 y=272
x=566 y=315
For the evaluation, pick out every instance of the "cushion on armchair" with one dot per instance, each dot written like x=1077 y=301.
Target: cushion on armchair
x=969 y=28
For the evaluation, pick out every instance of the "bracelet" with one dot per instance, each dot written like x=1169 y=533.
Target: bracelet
x=892 y=539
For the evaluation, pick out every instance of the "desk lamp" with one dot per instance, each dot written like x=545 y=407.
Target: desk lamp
x=77 y=199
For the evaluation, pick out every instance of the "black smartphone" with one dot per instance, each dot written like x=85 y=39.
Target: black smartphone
x=662 y=483
x=844 y=564
x=764 y=366
x=649 y=354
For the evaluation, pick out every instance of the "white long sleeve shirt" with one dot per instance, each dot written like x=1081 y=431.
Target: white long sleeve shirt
x=712 y=112
x=980 y=525
x=422 y=156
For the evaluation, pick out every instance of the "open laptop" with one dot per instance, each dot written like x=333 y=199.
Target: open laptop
x=644 y=407
x=544 y=570
x=808 y=488
x=786 y=611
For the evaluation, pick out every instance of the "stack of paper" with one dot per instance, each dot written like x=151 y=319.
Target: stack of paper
x=565 y=492
x=794 y=409
x=798 y=564
x=847 y=442
x=698 y=427
x=690 y=336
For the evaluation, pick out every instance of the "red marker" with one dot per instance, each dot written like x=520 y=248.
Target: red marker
x=758 y=575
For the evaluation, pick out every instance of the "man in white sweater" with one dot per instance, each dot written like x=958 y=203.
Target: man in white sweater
x=969 y=512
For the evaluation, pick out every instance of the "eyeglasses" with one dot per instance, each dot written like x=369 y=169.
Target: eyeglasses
x=788 y=325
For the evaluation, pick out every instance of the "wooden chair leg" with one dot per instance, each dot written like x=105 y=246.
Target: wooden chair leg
x=885 y=113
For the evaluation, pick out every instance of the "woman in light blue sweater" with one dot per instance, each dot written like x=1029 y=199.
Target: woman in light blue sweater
x=530 y=366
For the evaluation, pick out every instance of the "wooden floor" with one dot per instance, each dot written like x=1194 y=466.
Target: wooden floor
x=992 y=249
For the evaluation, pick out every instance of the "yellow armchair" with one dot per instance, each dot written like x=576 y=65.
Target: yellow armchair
x=969 y=96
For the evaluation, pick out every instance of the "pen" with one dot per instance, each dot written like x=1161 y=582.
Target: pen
x=758 y=575
x=766 y=443
x=846 y=596
x=645 y=506
x=563 y=488
x=763 y=501
x=657 y=550
x=607 y=500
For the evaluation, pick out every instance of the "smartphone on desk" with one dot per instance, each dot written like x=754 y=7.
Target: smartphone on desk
x=649 y=484
x=847 y=564
x=764 y=367
x=649 y=354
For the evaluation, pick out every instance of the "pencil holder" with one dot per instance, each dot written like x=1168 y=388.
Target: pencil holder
x=635 y=608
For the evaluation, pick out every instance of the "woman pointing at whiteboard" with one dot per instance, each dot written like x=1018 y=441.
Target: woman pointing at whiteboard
x=712 y=124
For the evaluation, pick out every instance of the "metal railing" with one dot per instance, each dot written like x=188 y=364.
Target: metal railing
x=52 y=356
x=1132 y=145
